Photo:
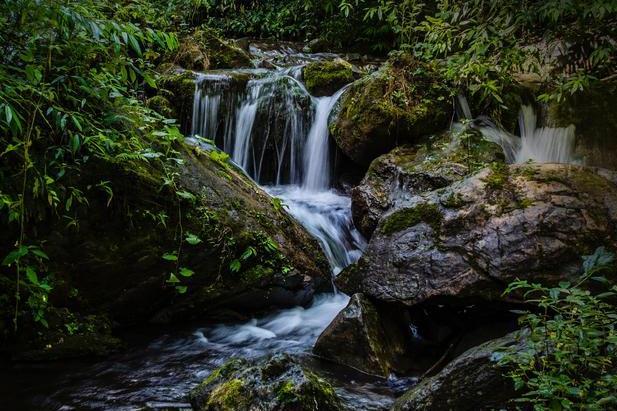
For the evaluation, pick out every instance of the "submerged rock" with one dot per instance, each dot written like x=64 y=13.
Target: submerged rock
x=470 y=239
x=473 y=381
x=410 y=170
x=360 y=337
x=280 y=383
x=326 y=77
x=399 y=103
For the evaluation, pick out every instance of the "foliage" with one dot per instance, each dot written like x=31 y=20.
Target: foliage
x=71 y=77
x=570 y=357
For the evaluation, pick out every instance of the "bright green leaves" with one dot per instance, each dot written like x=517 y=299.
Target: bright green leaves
x=192 y=239
x=170 y=257
x=569 y=359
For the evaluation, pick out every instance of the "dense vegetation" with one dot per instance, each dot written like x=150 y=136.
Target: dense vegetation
x=75 y=76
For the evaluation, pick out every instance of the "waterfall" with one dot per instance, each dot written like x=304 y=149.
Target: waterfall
x=316 y=150
x=278 y=133
x=537 y=144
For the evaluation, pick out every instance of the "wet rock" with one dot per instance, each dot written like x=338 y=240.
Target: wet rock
x=318 y=45
x=594 y=114
x=280 y=383
x=410 y=170
x=473 y=381
x=215 y=213
x=326 y=77
x=470 y=239
x=177 y=87
x=398 y=104
x=362 y=338
x=161 y=105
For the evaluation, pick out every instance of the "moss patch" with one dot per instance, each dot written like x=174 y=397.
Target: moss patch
x=229 y=396
x=422 y=213
x=325 y=77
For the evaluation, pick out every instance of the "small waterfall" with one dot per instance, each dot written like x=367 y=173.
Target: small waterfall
x=316 y=150
x=537 y=144
x=278 y=133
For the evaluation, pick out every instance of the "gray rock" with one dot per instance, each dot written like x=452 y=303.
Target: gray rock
x=470 y=239
x=362 y=338
x=410 y=170
x=473 y=381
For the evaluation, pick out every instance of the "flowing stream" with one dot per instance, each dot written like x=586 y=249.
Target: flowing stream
x=278 y=133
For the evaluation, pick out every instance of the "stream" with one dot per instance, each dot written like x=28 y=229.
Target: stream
x=278 y=134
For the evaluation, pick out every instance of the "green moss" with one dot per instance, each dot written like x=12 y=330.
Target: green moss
x=221 y=53
x=320 y=393
x=229 y=396
x=325 y=77
x=498 y=176
x=161 y=105
x=400 y=220
x=286 y=392
x=454 y=200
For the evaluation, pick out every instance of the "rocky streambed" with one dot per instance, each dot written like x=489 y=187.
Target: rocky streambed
x=350 y=244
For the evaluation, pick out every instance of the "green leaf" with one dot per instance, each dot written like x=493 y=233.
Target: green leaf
x=31 y=275
x=173 y=279
x=15 y=255
x=235 y=266
x=185 y=272
x=181 y=289
x=170 y=257
x=186 y=195
x=192 y=239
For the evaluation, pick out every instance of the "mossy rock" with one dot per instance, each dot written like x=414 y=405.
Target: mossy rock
x=204 y=49
x=113 y=259
x=324 y=78
x=279 y=383
x=161 y=105
x=409 y=217
x=178 y=88
x=409 y=170
x=400 y=103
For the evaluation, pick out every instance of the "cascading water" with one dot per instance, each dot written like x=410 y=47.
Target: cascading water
x=278 y=134
x=537 y=144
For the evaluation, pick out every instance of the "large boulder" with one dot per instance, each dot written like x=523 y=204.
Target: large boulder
x=325 y=77
x=474 y=380
x=470 y=239
x=204 y=49
x=362 y=338
x=413 y=169
x=399 y=103
x=280 y=383
x=152 y=249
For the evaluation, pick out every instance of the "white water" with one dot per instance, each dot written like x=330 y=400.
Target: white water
x=535 y=144
x=301 y=179
x=316 y=150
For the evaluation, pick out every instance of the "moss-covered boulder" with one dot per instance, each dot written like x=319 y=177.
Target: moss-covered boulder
x=363 y=338
x=400 y=103
x=475 y=380
x=325 y=77
x=280 y=383
x=175 y=95
x=203 y=49
x=471 y=238
x=413 y=169
x=160 y=245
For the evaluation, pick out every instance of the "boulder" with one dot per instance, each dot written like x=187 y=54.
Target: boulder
x=410 y=170
x=326 y=77
x=204 y=49
x=473 y=381
x=470 y=239
x=362 y=338
x=280 y=383
x=176 y=87
x=400 y=103
x=149 y=250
